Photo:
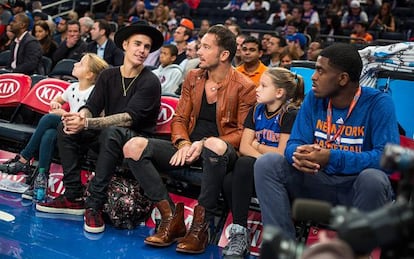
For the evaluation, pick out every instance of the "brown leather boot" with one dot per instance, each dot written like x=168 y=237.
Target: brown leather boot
x=195 y=241
x=172 y=227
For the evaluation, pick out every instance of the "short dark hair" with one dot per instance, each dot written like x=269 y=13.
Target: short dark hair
x=173 y=49
x=104 y=25
x=72 y=22
x=282 y=40
x=226 y=40
x=345 y=57
x=251 y=39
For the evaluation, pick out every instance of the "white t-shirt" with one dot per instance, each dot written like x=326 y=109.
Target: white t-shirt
x=75 y=97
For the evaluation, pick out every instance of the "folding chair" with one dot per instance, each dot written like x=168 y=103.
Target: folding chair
x=63 y=70
x=16 y=133
x=13 y=88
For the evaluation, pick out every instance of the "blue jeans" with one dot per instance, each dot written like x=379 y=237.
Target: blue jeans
x=278 y=183
x=43 y=140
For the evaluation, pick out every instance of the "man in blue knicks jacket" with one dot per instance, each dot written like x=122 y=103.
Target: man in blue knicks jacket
x=335 y=146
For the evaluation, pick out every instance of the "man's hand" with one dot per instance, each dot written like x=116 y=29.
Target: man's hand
x=194 y=152
x=73 y=122
x=71 y=41
x=310 y=158
x=178 y=159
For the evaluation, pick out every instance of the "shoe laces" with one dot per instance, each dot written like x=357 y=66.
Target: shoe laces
x=238 y=244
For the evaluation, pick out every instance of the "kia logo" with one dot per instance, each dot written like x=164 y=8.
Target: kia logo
x=8 y=87
x=166 y=114
x=47 y=92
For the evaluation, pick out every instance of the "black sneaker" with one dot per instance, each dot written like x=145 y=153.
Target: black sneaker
x=13 y=167
x=28 y=194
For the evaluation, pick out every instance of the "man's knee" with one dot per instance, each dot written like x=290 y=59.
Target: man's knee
x=372 y=179
x=134 y=147
x=268 y=164
x=216 y=145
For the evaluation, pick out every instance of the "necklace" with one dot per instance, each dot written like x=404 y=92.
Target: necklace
x=130 y=84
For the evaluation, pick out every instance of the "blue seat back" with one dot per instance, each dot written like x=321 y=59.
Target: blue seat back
x=306 y=70
x=401 y=87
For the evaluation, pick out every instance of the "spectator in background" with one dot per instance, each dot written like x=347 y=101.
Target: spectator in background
x=182 y=9
x=314 y=50
x=333 y=27
x=235 y=29
x=310 y=15
x=296 y=21
x=5 y=15
x=86 y=24
x=251 y=52
x=26 y=52
x=103 y=46
x=161 y=14
x=237 y=60
x=61 y=29
x=19 y=6
x=172 y=20
x=247 y=5
x=258 y=15
x=192 y=57
x=335 y=7
x=73 y=15
x=265 y=42
x=169 y=74
x=233 y=5
x=360 y=34
x=204 y=25
x=353 y=15
x=138 y=9
x=41 y=31
x=286 y=58
x=114 y=8
x=384 y=20
x=277 y=19
x=297 y=43
x=275 y=47
x=73 y=47
x=182 y=35
x=38 y=12
x=7 y=38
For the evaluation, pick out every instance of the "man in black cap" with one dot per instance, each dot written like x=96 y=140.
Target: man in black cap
x=129 y=96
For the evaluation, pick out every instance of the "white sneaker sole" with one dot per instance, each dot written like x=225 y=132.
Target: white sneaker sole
x=78 y=212
x=94 y=230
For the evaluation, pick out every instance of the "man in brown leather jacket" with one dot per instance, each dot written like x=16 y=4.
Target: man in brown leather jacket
x=206 y=132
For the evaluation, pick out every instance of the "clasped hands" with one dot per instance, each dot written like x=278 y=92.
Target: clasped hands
x=73 y=122
x=310 y=158
x=187 y=154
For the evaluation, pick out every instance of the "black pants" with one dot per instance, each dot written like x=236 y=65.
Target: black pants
x=155 y=158
x=108 y=143
x=239 y=189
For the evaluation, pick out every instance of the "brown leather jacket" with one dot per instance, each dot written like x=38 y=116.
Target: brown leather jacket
x=235 y=96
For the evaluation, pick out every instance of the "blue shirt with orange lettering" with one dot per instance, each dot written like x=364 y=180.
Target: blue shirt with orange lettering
x=364 y=134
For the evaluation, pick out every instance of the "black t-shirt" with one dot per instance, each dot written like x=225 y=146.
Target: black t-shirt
x=206 y=125
x=142 y=101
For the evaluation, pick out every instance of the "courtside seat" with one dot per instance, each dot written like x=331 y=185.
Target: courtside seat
x=15 y=134
x=13 y=88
